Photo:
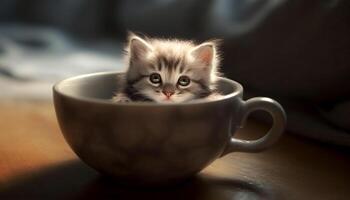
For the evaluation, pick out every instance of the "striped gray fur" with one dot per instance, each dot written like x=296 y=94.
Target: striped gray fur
x=184 y=71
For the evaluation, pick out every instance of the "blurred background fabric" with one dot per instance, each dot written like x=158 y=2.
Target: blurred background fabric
x=295 y=51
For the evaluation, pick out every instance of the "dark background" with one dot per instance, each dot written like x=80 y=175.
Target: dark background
x=292 y=50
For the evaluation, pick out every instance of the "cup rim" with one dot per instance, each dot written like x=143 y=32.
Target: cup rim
x=56 y=90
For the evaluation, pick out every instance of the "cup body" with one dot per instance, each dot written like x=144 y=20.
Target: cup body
x=144 y=143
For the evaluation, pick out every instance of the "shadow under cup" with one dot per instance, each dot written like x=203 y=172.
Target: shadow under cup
x=148 y=143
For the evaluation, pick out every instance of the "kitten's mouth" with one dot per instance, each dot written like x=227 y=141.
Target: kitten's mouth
x=167 y=99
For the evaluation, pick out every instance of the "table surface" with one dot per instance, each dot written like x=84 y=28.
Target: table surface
x=36 y=163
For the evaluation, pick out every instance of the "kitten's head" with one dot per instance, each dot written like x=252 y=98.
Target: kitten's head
x=171 y=70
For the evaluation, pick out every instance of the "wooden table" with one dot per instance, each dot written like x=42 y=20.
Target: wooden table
x=36 y=163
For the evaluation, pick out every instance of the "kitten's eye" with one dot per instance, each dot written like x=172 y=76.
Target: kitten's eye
x=155 y=78
x=184 y=81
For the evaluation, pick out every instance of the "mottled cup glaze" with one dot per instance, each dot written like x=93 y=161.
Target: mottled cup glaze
x=152 y=143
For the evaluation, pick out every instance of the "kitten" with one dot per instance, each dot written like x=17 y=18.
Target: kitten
x=168 y=70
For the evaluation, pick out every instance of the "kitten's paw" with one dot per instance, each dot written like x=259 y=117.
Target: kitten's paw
x=214 y=96
x=121 y=98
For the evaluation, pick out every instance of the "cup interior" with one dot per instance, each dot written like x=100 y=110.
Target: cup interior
x=101 y=86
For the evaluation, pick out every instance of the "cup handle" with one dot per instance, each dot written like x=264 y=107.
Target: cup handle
x=278 y=126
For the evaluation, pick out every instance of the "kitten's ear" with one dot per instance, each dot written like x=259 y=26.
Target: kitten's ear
x=138 y=47
x=205 y=53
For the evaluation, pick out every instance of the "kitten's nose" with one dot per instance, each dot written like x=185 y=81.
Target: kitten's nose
x=168 y=90
x=168 y=94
